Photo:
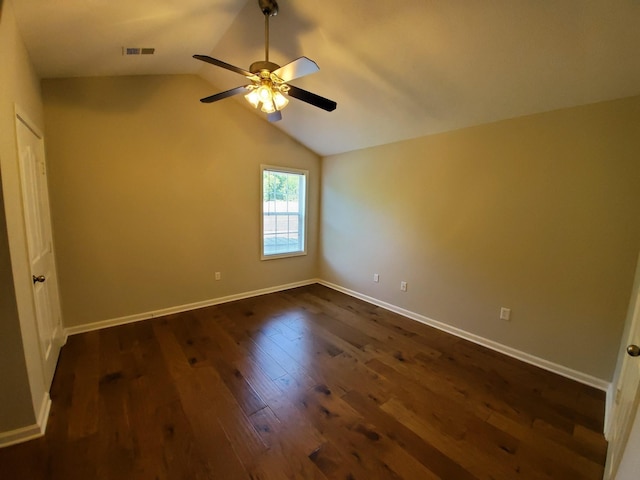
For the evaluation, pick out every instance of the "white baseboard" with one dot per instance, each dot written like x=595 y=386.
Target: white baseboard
x=30 y=432
x=182 y=308
x=498 y=347
x=567 y=372
x=608 y=410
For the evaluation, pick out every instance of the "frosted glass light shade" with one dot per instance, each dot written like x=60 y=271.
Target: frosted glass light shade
x=265 y=94
x=268 y=107
x=271 y=98
x=253 y=98
x=280 y=100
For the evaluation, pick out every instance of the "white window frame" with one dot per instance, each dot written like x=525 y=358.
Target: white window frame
x=302 y=222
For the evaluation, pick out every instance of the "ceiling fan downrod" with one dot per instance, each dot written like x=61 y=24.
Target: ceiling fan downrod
x=265 y=67
x=266 y=38
x=269 y=8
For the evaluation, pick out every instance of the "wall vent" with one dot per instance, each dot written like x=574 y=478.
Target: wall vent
x=138 y=51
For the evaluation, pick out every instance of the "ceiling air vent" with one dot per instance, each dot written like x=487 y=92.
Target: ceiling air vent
x=137 y=51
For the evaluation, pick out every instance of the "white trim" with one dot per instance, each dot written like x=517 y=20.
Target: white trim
x=304 y=214
x=43 y=416
x=498 y=347
x=608 y=410
x=182 y=308
x=20 y=435
x=31 y=432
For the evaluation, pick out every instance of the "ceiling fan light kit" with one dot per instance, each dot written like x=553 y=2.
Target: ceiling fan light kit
x=269 y=86
x=268 y=90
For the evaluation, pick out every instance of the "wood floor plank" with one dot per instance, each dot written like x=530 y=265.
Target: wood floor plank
x=419 y=448
x=203 y=390
x=85 y=395
x=280 y=396
x=287 y=457
x=350 y=431
x=197 y=395
x=203 y=340
x=549 y=453
x=463 y=453
x=305 y=384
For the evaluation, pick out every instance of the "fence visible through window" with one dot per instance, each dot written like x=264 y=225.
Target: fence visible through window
x=281 y=232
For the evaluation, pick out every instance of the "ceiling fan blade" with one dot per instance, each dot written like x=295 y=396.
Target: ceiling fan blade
x=298 y=68
x=275 y=116
x=221 y=95
x=312 y=98
x=220 y=63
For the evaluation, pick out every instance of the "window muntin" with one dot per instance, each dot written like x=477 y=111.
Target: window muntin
x=284 y=199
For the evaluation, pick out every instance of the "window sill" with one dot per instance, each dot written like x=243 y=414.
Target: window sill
x=282 y=255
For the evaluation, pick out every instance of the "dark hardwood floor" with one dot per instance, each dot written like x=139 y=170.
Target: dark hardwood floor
x=305 y=384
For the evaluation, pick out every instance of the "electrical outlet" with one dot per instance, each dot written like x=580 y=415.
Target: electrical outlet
x=376 y=277
x=505 y=314
x=218 y=276
x=403 y=286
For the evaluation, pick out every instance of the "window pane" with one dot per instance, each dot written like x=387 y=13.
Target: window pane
x=283 y=211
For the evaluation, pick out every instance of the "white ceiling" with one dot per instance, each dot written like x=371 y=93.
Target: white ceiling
x=397 y=69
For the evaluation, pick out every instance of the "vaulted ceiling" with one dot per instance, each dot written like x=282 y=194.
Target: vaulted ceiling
x=397 y=69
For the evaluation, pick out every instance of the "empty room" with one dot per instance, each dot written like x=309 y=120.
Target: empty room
x=259 y=239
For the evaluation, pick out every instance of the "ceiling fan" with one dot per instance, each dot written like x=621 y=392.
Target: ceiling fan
x=269 y=85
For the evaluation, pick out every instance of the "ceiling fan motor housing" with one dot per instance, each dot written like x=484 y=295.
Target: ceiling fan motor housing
x=257 y=67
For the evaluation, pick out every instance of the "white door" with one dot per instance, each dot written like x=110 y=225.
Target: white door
x=35 y=200
x=627 y=395
x=630 y=461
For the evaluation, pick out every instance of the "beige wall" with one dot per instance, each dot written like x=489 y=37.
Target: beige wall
x=538 y=214
x=18 y=85
x=152 y=192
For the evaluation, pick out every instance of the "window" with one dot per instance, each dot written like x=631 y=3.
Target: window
x=284 y=198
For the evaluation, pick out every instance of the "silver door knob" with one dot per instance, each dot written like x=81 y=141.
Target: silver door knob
x=39 y=278
x=633 y=350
